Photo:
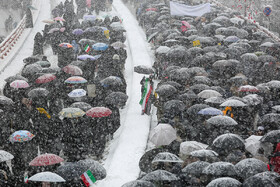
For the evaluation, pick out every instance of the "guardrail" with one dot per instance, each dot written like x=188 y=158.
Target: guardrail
x=10 y=41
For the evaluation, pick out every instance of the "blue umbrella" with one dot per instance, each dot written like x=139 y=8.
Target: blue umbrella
x=210 y=111
x=99 y=46
x=77 y=31
x=21 y=136
x=89 y=17
x=77 y=93
x=85 y=57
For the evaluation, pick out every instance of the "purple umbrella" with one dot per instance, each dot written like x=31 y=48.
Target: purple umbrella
x=85 y=57
x=78 y=32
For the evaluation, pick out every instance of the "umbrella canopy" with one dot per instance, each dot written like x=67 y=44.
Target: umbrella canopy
x=275 y=109
x=272 y=136
x=197 y=88
x=267 y=178
x=4 y=156
x=21 y=136
x=221 y=121
x=6 y=101
x=31 y=69
x=116 y=98
x=273 y=84
x=215 y=100
x=100 y=46
x=118 y=45
x=46 y=177
x=73 y=70
x=252 y=144
x=98 y=112
x=43 y=64
x=75 y=80
x=166 y=90
x=84 y=42
x=48 y=21
x=15 y=77
x=225 y=182
x=45 y=78
x=46 y=160
x=160 y=175
x=71 y=113
x=189 y=146
x=177 y=52
x=89 y=17
x=210 y=111
x=220 y=169
x=228 y=142
x=117 y=26
x=90 y=57
x=78 y=32
x=173 y=83
x=38 y=93
x=19 y=84
x=253 y=99
x=248 y=88
x=77 y=93
x=174 y=106
x=71 y=171
x=59 y=19
x=143 y=69
x=233 y=103
x=138 y=183
x=193 y=110
x=65 y=45
x=249 y=57
x=167 y=157
x=186 y=96
x=195 y=168
x=249 y=167
x=201 y=80
x=163 y=134
x=271 y=118
x=95 y=167
x=231 y=39
x=205 y=94
x=53 y=30
x=81 y=105
x=162 y=50
x=111 y=81
x=204 y=153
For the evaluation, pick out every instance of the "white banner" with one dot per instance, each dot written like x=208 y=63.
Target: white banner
x=178 y=9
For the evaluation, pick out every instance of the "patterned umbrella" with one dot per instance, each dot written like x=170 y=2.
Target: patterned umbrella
x=45 y=78
x=99 y=46
x=46 y=160
x=59 y=19
x=77 y=93
x=71 y=113
x=75 y=80
x=73 y=70
x=85 y=57
x=21 y=136
x=98 y=112
x=19 y=84
x=4 y=156
x=65 y=45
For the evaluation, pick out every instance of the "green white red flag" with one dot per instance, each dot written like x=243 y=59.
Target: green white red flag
x=87 y=48
x=148 y=88
x=88 y=178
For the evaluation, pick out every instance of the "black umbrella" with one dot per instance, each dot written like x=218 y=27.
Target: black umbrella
x=272 y=136
x=215 y=100
x=220 y=169
x=219 y=121
x=6 y=101
x=81 y=105
x=160 y=175
x=71 y=171
x=168 y=71
x=31 y=69
x=138 y=183
x=225 y=182
x=197 y=88
x=201 y=80
x=195 y=51
x=193 y=110
x=174 y=106
x=95 y=167
x=228 y=142
x=38 y=93
x=152 y=36
x=271 y=118
x=195 y=168
x=177 y=52
x=166 y=90
x=267 y=58
x=173 y=83
x=15 y=77
x=111 y=81
x=116 y=98
x=267 y=178
x=143 y=69
x=189 y=95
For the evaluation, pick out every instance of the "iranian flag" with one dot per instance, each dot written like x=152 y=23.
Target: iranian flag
x=88 y=178
x=87 y=48
x=88 y=2
x=148 y=88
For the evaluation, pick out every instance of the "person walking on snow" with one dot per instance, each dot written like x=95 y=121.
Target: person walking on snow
x=147 y=94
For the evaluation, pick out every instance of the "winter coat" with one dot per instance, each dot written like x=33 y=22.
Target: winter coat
x=38 y=44
x=29 y=19
x=275 y=160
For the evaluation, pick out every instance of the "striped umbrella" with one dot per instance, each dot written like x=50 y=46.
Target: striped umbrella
x=73 y=70
x=45 y=78
x=75 y=80
x=21 y=136
x=77 y=93
x=98 y=112
x=65 y=45
x=19 y=84
x=71 y=113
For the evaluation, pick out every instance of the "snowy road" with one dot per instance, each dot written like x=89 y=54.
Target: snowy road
x=130 y=141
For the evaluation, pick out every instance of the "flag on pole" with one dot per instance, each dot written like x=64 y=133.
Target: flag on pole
x=87 y=48
x=26 y=179
x=148 y=88
x=88 y=178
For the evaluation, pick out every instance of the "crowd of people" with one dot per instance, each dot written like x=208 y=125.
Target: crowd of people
x=70 y=109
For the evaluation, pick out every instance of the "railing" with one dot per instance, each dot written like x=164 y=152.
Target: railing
x=10 y=41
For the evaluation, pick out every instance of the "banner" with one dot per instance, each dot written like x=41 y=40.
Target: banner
x=178 y=9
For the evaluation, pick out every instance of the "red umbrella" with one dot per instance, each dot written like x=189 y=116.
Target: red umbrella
x=19 y=84
x=46 y=160
x=186 y=24
x=151 y=9
x=73 y=70
x=98 y=112
x=45 y=78
x=248 y=88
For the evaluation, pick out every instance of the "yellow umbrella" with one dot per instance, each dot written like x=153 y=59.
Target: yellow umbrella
x=71 y=113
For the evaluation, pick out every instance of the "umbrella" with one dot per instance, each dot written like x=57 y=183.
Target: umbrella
x=138 y=183
x=15 y=77
x=231 y=39
x=143 y=69
x=160 y=175
x=118 y=45
x=195 y=168
x=271 y=118
x=221 y=121
x=267 y=58
x=196 y=88
x=46 y=177
x=189 y=146
x=116 y=98
x=89 y=17
x=59 y=19
x=53 y=30
x=177 y=52
x=167 y=157
x=111 y=81
x=228 y=142
x=174 y=106
x=267 y=178
x=21 y=136
x=5 y=100
x=249 y=57
x=75 y=80
x=71 y=171
x=78 y=32
x=46 y=160
x=99 y=46
x=189 y=95
x=48 y=21
x=195 y=51
x=77 y=93
x=31 y=69
x=276 y=108
x=248 y=167
x=152 y=36
x=252 y=144
x=273 y=84
x=163 y=134
x=201 y=80
x=236 y=20
x=166 y=90
x=205 y=94
x=220 y=169
x=81 y=105
x=86 y=41
x=248 y=88
x=90 y=57
x=203 y=153
x=193 y=110
x=73 y=70
x=272 y=136
x=5 y=156
x=117 y=26
x=215 y=100
x=98 y=112
x=186 y=24
x=173 y=83
x=38 y=93
x=162 y=50
x=233 y=103
x=45 y=78
x=71 y=113
x=253 y=99
x=181 y=74
x=267 y=44
x=95 y=167
x=43 y=64
x=225 y=182
x=210 y=111
x=65 y=45
x=19 y=84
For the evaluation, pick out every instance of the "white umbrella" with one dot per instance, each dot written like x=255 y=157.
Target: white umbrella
x=252 y=144
x=205 y=94
x=163 y=134
x=189 y=146
x=46 y=177
x=166 y=157
x=233 y=103
x=4 y=156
